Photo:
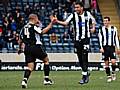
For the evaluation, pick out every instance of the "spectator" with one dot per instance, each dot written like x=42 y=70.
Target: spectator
x=9 y=17
x=1 y=38
x=71 y=32
x=42 y=13
x=13 y=26
x=20 y=24
x=94 y=7
x=17 y=16
x=35 y=9
x=69 y=5
x=65 y=14
x=5 y=23
x=65 y=37
x=87 y=5
x=27 y=10
x=9 y=38
x=15 y=41
x=53 y=38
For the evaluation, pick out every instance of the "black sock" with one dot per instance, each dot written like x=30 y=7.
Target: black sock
x=107 y=71
x=27 y=74
x=46 y=70
x=113 y=68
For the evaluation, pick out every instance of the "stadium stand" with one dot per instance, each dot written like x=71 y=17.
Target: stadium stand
x=110 y=9
x=20 y=9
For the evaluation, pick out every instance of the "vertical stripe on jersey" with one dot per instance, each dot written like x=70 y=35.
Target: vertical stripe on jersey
x=115 y=38
x=112 y=37
x=80 y=27
x=74 y=23
x=77 y=26
x=86 y=28
x=107 y=36
x=86 y=21
x=102 y=35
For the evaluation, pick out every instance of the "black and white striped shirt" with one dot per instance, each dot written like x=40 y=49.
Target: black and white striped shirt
x=108 y=36
x=81 y=24
x=30 y=34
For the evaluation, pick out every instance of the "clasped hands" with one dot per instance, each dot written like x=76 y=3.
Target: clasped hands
x=53 y=19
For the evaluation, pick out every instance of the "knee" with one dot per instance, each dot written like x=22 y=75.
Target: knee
x=31 y=69
x=30 y=66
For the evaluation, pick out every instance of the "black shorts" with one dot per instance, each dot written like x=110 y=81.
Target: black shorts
x=109 y=53
x=81 y=45
x=34 y=52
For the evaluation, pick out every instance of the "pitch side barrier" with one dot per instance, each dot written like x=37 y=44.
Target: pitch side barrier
x=58 y=62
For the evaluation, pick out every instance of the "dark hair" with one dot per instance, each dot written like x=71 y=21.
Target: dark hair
x=80 y=3
x=107 y=18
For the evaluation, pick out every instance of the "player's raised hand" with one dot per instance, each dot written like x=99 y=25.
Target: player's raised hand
x=53 y=19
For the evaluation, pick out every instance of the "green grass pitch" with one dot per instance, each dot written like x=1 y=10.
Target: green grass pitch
x=64 y=80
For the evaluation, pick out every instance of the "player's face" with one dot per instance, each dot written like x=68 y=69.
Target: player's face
x=78 y=8
x=106 y=22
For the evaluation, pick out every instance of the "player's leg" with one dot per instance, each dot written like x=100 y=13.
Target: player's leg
x=42 y=55
x=83 y=61
x=113 y=61
x=47 y=81
x=106 y=58
x=29 y=59
x=85 y=77
x=107 y=69
x=30 y=67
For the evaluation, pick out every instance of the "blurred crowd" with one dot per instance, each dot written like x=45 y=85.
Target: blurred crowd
x=13 y=20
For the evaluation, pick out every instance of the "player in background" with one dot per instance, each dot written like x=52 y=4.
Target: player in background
x=108 y=39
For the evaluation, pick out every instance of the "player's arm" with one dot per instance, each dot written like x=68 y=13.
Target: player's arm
x=62 y=22
x=100 y=40
x=117 y=41
x=21 y=47
x=40 y=31
x=20 y=42
x=66 y=22
x=50 y=25
x=46 y=29
x=116 y=38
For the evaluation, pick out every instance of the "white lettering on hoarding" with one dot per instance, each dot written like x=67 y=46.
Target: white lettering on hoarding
x=56 y=68
x=11 y=68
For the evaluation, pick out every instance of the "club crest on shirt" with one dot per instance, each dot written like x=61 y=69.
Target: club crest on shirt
x=81 y=24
